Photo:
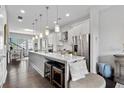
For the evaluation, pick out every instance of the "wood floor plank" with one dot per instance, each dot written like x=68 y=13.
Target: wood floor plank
x=22 y=75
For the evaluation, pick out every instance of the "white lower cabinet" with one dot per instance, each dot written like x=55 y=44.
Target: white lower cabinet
x=37 y=61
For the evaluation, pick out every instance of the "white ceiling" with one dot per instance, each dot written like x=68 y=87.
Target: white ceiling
x=33 y=11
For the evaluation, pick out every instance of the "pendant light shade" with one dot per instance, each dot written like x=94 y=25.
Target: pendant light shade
x=36 y=37
x=47 y=27
x=33 y=38
x=41 y=35
x=47 y=32
x=57 y=27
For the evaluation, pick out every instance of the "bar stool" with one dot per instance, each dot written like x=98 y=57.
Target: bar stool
x=48 y=70
x=58 y=75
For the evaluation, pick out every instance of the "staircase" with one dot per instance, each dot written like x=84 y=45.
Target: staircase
x=17 y=52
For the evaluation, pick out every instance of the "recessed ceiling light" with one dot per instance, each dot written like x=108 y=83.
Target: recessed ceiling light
x=20 y=20
x=1 y=16
x=22 y=11
x=28 y=30
x=67 y=14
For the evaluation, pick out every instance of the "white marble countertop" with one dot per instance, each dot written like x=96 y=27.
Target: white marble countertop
x=57 y=56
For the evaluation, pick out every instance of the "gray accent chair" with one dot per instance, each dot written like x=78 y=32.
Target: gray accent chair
x=90 y=81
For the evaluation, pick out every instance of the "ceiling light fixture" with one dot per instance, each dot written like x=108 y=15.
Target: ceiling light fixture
x=57 y=27
x=36 y=34
x=41 y=35
x=1 y=16
x=67 y=15
x=47 y=27
x=20 y=18
x=36 y=37
x=46 y=32
x=22 y=11
x=33 y=38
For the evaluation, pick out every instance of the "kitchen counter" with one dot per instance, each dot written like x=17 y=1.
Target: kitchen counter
x=37 y=60
x=59 y=57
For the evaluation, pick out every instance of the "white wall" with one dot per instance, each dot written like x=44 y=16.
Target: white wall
x=111 y=33
x=94 y=33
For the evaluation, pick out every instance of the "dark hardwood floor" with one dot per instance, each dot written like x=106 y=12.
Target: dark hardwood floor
x=22 y=75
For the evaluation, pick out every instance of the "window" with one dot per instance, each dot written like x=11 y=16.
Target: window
x=30 y=44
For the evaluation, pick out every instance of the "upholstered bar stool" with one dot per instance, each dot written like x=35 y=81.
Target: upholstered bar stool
x=58 y=75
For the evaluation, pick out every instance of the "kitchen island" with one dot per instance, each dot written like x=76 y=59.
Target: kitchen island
x=37 y=60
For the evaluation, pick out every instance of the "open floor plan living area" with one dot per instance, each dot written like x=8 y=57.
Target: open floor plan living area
x=61 y=46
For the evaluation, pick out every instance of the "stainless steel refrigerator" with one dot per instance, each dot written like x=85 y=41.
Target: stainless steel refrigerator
x=81 y=45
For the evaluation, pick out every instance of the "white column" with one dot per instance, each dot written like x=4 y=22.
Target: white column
x=94 y=31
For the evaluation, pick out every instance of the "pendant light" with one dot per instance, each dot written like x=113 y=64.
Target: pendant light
x=41 y=35
x=47 y=27
x=33 y=38
x=57 y=27
x=36 y=37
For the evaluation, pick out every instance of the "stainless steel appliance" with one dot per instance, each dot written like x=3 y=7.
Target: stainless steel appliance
x=81 y=45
